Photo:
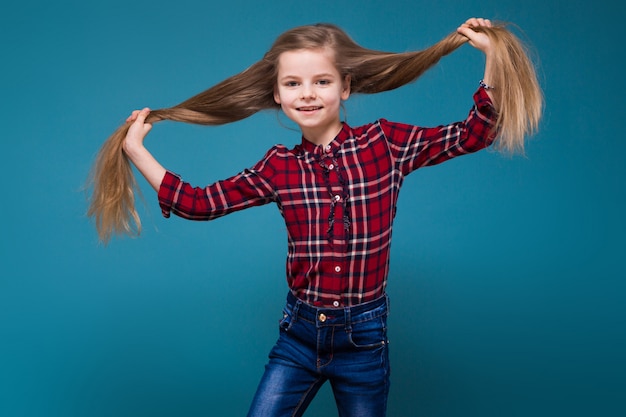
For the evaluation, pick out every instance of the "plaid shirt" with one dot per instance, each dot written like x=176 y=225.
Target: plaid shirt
x=338 y=202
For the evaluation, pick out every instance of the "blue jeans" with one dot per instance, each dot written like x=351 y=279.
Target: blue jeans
x=346 y=346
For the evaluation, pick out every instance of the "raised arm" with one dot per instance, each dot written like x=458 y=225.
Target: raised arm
x=510 y=81
x=482 y=42
x=134 y=148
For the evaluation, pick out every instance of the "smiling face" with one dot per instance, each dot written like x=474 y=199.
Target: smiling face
x=310 y=89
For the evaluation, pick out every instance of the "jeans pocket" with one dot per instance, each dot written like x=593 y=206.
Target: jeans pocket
x=285 y=323
x=369 y=334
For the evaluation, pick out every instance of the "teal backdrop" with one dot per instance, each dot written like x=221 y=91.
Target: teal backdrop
x=507 y=273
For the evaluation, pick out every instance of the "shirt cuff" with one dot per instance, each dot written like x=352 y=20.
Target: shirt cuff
x=484 y=105
x=168 y=191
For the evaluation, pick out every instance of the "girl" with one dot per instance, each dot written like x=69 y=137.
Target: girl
x=337 y=191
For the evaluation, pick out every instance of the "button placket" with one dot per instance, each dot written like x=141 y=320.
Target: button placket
x=339 y=215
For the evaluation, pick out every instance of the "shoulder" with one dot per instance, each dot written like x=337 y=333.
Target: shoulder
x=275 y=158
x=381 y=129
x=366 y=136
x=277 y=152
x=368 y=131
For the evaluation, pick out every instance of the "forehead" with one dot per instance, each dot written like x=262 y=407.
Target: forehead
x=306 y=61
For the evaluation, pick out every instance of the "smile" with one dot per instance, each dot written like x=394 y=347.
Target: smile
x=309 y=108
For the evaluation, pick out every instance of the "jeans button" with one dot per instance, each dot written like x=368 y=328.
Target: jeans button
x=322 y=317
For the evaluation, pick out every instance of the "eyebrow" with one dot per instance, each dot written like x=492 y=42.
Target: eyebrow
x=322 y=75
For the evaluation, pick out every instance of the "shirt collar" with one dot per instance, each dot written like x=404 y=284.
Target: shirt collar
x=331 y=148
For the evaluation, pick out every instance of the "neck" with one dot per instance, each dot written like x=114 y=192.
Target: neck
x=322 y=138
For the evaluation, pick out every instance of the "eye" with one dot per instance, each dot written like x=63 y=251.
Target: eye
x=291 y=84
x=323 y=82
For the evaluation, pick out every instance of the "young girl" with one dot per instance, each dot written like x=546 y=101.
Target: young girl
x=337 y=191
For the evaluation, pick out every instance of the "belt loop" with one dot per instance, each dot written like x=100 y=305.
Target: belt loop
x=296 y=309
x=347 y=311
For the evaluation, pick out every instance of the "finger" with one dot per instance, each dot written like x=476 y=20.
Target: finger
x=132 y=116
x=466 y=31
x=484 y=22
x=139 y=116
x=141 y=120
x=477 y=22
x=472 y=21
x=142 y=114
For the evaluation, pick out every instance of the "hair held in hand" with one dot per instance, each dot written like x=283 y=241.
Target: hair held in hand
x=517 y=96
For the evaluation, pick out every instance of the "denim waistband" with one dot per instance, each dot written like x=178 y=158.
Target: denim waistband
x=337 y=316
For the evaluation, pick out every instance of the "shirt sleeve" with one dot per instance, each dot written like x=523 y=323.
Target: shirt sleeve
x=414 y=147
x=246 y=189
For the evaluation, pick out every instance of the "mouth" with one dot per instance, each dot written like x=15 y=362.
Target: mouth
x=309 y=108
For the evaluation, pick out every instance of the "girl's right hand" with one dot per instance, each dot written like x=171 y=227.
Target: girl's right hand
x=137 y=130
x=149 y=167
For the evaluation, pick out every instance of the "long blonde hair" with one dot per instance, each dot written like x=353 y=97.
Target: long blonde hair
x=517 y=94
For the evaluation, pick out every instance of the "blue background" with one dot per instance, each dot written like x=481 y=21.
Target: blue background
x=507 y=273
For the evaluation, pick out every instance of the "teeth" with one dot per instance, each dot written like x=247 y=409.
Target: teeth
x=309 y=108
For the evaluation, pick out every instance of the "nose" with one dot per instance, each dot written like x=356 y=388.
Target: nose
x=308 y=92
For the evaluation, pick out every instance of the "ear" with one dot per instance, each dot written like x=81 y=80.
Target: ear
x=276 y=95
x=345 y=93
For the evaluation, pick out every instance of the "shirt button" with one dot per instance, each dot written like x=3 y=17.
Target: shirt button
x=327 y=148
x=331 y=166
x=335 y=303
x=322 y=317
x=337 y=269
x=337 y=197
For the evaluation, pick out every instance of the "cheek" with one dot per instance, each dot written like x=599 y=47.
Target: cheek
x=333 y=97
x=285 y=97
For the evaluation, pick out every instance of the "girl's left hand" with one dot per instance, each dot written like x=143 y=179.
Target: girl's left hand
x=478 y=40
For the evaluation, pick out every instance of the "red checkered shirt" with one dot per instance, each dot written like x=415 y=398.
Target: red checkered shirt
x=338 y=202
